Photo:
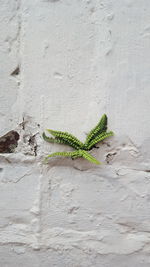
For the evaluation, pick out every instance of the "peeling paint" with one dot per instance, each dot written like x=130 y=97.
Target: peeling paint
x=9 y=142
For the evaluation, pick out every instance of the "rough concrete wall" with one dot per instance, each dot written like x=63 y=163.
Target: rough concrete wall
x=63 y=64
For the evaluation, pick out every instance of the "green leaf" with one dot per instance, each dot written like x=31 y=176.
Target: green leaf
x=98 y=129
x=51 y=139
x=89 y=157
x=68 y=138
x=71 y=154
x=75 y=154
x=99 y=138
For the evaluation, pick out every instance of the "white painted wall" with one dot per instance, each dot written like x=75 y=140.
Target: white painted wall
x=78 y=59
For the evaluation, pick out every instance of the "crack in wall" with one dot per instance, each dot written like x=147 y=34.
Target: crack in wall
x=16 y=43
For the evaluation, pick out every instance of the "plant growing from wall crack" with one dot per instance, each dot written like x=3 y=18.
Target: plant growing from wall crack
x=96 y=135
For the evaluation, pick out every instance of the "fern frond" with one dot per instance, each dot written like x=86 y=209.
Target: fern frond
x=89 y=157
x=67 y=138
x=52 y=140
x=72 y=154
x=99 y=138
x=75 y=154
x=98 y=129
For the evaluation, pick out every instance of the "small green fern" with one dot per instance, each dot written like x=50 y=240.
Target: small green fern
x=96 y=135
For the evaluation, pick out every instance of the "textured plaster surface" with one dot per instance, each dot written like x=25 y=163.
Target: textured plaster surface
x=63 y=64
